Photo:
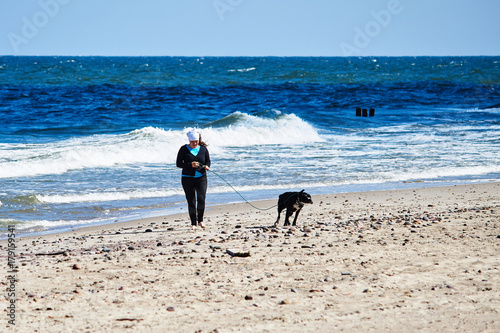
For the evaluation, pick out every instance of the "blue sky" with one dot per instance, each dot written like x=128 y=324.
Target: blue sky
x=250 y=27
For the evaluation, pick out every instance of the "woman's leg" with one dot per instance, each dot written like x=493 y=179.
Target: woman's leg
x=189 y=186
x=201 y=193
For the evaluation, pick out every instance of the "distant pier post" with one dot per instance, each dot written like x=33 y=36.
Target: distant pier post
x=365 y=113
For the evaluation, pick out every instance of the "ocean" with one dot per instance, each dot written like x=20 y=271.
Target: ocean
x=93 y=140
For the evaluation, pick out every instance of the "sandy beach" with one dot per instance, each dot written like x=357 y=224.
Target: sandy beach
x=414 y=260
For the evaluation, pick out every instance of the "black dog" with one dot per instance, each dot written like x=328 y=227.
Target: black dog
x=292 y=201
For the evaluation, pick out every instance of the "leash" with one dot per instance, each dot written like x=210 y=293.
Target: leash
x=248 y=202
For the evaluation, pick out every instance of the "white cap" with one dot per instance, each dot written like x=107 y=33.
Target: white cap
x=193 y=135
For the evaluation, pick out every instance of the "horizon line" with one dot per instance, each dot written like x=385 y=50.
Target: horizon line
x=245 y=56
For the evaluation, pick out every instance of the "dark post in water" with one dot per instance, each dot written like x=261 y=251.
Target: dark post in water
x=364 y=112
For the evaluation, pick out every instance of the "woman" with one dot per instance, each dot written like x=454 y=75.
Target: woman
x=194 y=160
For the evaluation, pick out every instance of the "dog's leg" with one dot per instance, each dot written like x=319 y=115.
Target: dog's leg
x=278 y=219
x=287 y=217
x=295 y=219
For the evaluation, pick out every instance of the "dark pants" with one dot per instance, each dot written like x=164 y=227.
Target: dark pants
x=195 y=190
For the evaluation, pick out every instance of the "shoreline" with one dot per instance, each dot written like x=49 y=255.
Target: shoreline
x=233 y=208
x=423 y=259
x=320 y=191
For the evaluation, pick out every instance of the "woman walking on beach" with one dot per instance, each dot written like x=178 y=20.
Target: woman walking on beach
x=194 y=160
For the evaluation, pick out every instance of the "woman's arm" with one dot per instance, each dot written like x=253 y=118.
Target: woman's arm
x=180 y=158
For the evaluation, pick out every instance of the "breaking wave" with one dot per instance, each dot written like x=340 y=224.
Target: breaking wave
x=150 y=145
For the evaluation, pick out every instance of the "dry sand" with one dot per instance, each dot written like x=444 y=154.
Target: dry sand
x=425 y=260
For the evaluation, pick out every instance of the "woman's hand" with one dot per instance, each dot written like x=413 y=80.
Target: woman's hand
x=197 y=165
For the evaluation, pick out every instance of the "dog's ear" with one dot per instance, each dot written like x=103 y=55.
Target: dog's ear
x=301 y=191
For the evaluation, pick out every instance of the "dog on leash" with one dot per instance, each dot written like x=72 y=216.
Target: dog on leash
x=293 y=202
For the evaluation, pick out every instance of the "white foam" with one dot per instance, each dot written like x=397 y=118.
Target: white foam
x=446 y=171
x=248 y=130
x=242 y=70
x=106 y=196
x=41 y=225
x=147 y=145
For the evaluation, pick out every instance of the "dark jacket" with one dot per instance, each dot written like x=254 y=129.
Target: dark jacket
x=184 y=159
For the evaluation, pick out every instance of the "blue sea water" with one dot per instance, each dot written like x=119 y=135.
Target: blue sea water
x=92 y=140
